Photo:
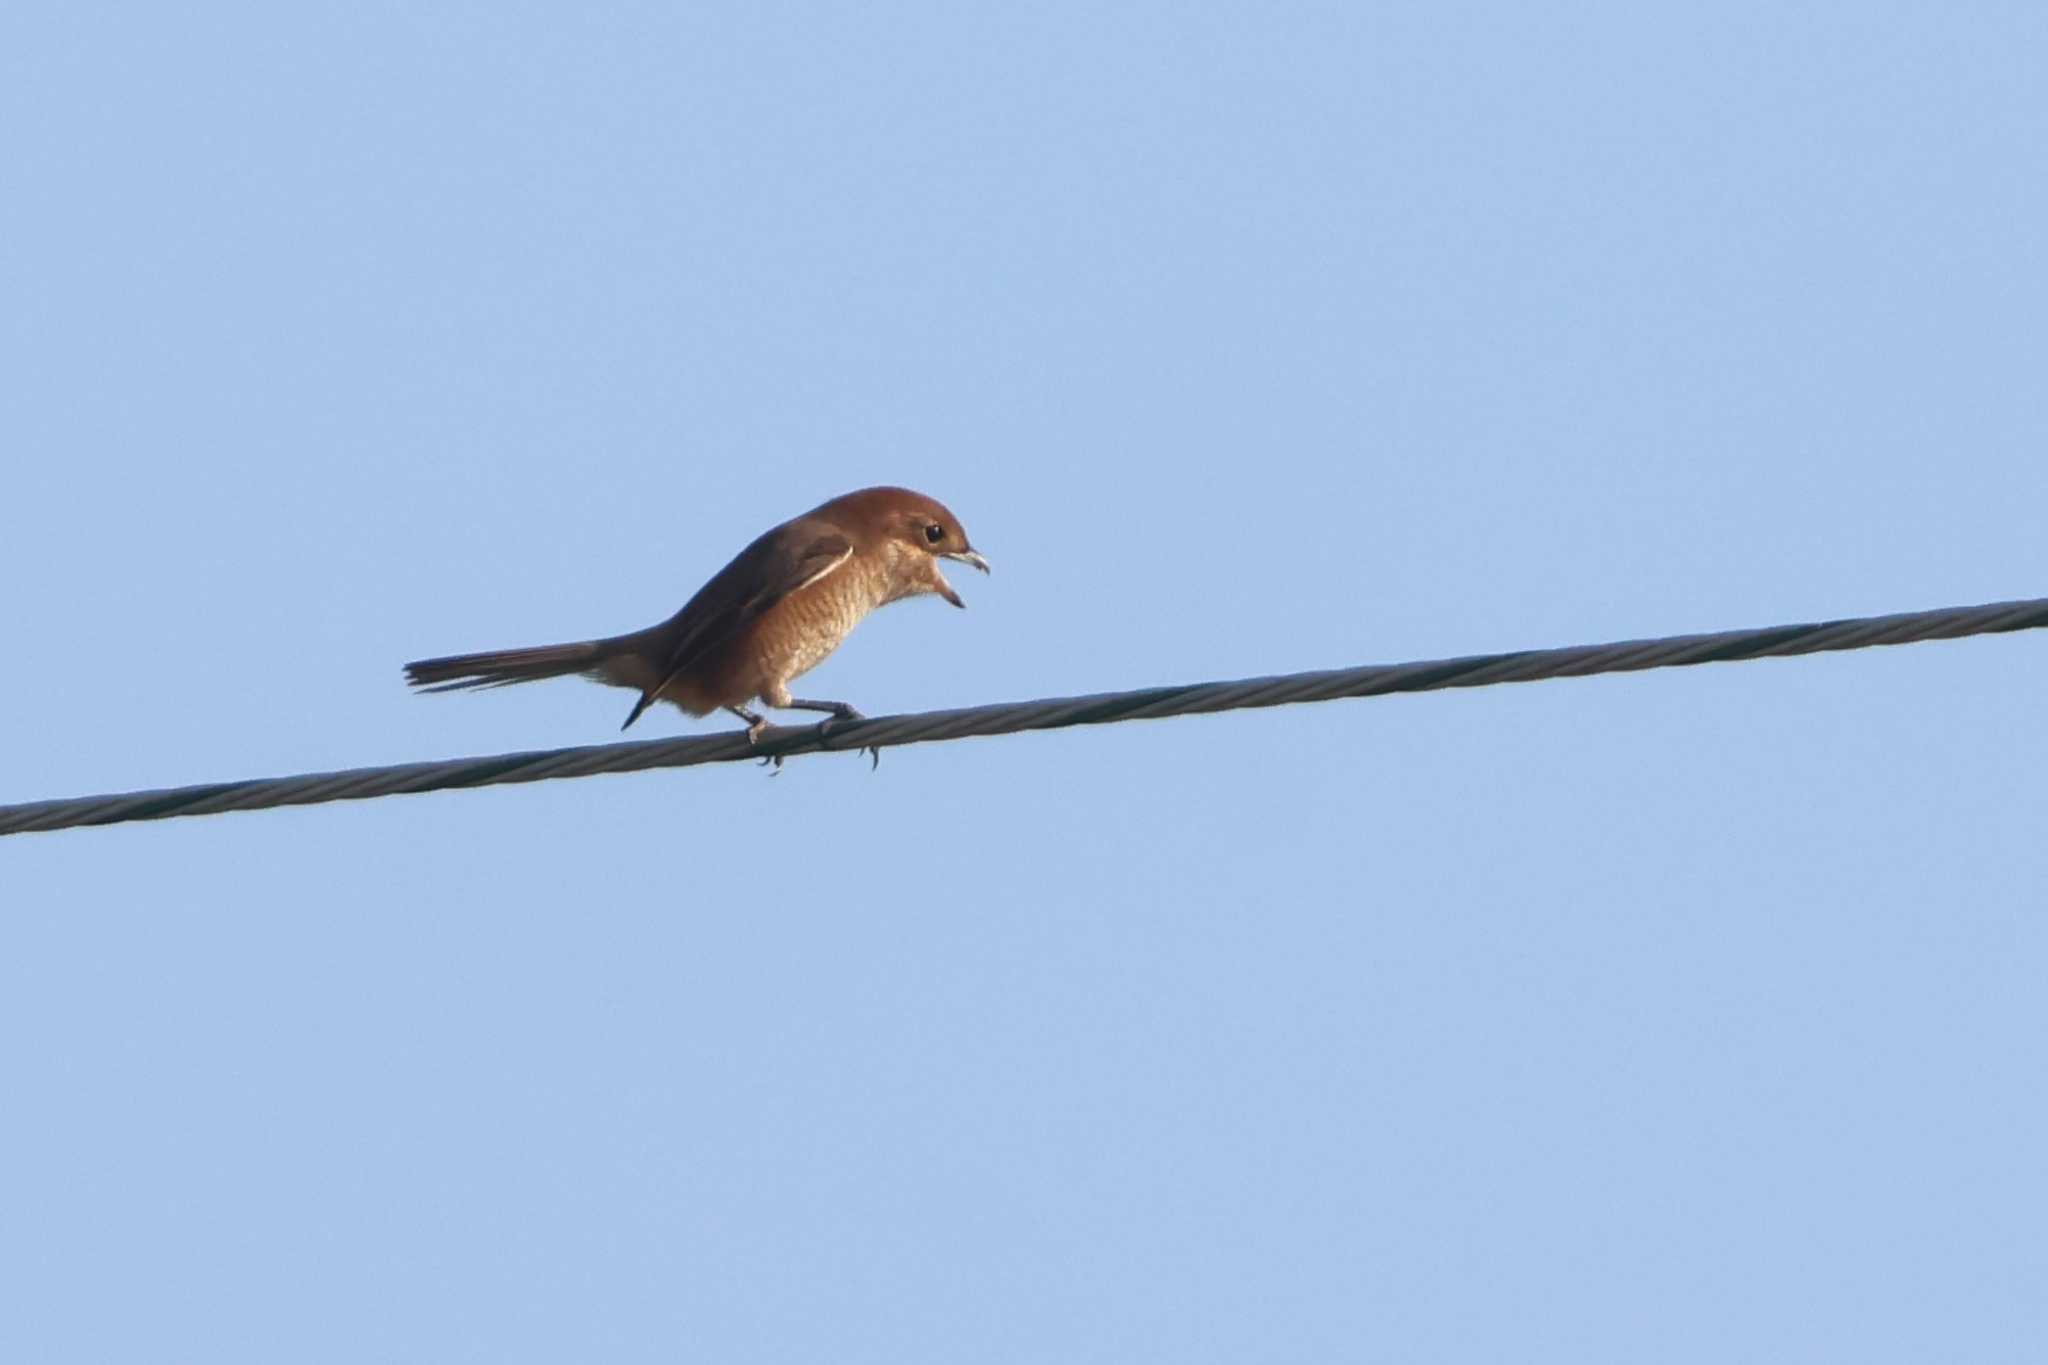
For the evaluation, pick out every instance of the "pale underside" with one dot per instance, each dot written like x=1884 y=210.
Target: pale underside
x=794 y=635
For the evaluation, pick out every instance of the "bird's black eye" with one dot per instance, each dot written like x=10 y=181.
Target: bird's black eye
x=934 y=533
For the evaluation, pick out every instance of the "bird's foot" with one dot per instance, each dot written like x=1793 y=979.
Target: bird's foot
x=841 y=714
x=757 y=726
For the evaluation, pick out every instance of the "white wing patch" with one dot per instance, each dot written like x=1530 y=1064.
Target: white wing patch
x=843 y=556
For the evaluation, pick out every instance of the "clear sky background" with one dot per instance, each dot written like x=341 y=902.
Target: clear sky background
x=1695 y=1015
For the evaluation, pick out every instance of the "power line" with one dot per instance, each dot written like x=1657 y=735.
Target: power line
x=1479 y=670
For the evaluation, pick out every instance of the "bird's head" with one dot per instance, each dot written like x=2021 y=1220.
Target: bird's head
x=914 y=532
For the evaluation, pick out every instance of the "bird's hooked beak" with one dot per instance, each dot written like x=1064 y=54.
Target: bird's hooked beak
x=965 y=557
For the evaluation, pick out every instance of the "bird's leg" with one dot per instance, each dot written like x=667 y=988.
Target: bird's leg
x=757 y=725
x=839 y=711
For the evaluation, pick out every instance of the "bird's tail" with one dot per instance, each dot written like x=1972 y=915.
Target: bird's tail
x=503 y=667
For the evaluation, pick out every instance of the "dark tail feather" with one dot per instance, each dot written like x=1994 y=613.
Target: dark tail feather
x=646 y=700
x=503 y=667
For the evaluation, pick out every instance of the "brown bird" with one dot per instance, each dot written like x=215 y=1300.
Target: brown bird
x=764 y=620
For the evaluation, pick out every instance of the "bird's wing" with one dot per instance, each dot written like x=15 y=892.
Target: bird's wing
x=785 y=560
x=764 y=573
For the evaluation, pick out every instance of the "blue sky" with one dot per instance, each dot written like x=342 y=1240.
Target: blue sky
x=1686 y=1016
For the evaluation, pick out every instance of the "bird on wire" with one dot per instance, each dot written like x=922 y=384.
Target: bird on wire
x=774 y=613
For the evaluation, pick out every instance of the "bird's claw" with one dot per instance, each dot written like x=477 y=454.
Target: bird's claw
x=847 y=713
x=842 y=714
x=758 y=728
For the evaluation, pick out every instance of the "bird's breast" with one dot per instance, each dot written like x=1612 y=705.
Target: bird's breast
x=796 y=635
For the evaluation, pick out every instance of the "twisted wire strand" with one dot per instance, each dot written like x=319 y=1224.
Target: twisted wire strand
x=1479 y=670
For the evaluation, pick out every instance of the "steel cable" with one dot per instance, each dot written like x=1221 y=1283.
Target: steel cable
x=1481 y=670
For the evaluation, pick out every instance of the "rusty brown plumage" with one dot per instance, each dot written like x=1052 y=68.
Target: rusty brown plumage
x=775 y=612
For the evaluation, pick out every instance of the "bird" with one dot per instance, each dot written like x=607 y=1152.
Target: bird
x=775 y=612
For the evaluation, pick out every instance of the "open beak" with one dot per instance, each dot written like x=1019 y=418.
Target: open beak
x=965 y=557
x=969 y=557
